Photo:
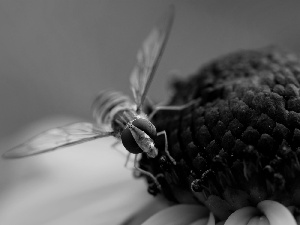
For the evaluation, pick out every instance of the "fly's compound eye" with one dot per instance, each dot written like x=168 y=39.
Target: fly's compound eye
x=128 y=140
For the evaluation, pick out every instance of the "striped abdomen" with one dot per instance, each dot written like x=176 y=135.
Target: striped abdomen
x=108 y=104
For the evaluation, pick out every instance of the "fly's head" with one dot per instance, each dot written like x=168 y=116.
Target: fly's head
x=139 y=136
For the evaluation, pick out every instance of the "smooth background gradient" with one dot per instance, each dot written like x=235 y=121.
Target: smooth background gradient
x=56 y=55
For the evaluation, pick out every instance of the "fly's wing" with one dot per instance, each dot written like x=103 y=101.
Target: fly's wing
x=148 y=58
x=57 y=138
x=107 y=104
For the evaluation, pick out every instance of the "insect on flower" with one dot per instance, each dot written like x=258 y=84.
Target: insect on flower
x=116 y=114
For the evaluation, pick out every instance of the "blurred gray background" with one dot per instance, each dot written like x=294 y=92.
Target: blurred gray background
x=56 y=55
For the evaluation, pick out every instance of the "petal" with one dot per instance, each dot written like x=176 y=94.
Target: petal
x=205 y=221
x=82 y=184
x=108 y=208
x=157 y=204
x=242 y=216
x=258 y=220
x=178 y=215
x=276 y=213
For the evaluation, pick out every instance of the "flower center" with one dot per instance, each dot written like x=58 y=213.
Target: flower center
x=239 y=144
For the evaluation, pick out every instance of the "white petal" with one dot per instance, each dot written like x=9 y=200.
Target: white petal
x=112 y=206
x=276 y=213
x=157 y=204
x=83 y=184
x=241 y=216
x=258 y=220
x=273 y=212
x=178 y=215
x=205 y=221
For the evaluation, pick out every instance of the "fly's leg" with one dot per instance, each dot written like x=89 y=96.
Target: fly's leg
x=167 y=146
x=170 y=108
x=127 y=159
x=114 y=145
x=146 y=172
x=150 y=102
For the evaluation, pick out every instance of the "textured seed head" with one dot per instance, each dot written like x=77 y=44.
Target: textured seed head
x=239 y=143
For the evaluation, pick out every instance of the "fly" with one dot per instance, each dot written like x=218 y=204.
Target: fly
x=116 y=114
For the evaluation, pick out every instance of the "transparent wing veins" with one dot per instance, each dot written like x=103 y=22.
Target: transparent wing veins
x=57 y=138
x=149 y=56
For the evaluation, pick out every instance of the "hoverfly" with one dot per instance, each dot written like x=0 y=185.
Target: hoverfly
x=115 y=114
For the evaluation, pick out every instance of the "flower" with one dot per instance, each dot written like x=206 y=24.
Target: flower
x=82 y=184
x=266 y=212
x=236 y=152
x=237 y=144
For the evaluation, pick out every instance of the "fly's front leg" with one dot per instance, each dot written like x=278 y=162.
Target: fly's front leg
x=167 y=146
x=127 y=159
x=146 y=172
x=170 y=108
x=150 y=102
x=114 y=145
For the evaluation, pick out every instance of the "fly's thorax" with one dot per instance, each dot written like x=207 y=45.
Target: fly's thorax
x=138 y=136
x=122 y=118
